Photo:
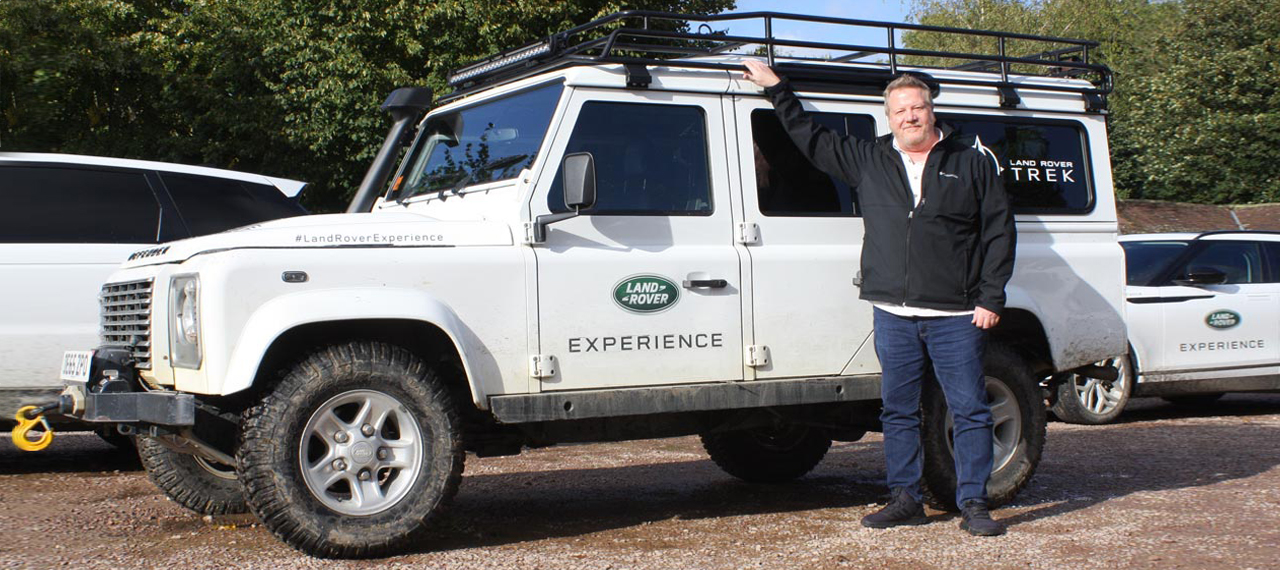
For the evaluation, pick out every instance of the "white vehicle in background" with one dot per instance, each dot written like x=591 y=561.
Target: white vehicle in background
x=70 y=220
x=602 y=236
x=1203 y=313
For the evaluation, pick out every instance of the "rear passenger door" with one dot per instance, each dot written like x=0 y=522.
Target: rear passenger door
x=63 y=231
x=804 y=238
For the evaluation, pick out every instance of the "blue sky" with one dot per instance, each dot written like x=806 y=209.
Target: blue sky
x=879 y=10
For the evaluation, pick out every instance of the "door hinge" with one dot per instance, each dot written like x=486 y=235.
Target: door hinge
x=529 y=234
x=757 y=355
x=748 y=233
x=542 y=366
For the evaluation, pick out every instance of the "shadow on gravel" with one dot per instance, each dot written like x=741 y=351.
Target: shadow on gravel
x=69 y=453
x=518 y=507
x=1151 y=451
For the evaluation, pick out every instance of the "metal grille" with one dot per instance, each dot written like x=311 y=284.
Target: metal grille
x=126 y=319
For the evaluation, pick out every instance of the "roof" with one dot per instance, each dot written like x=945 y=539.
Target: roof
x=1154 y=216
x=290 y=188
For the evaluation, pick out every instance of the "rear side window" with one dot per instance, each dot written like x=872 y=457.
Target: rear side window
x=787 y=184
x=1044 y=163
x=70 y=205
x=210 y=205
x=650 y=159
x=1273 y=259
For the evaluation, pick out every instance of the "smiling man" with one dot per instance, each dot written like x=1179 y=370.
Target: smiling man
x=936 y=256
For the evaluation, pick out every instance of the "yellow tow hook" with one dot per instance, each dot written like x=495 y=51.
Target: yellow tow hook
x=25 y=425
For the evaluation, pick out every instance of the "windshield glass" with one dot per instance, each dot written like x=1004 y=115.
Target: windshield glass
x=1144 y=260
x=489 y=142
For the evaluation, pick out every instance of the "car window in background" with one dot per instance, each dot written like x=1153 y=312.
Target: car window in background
x=71 y=205
x=1240 y=261
x=1145 y=260
x=211 y=205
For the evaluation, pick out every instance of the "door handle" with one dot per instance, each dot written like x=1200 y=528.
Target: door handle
x=705 y=283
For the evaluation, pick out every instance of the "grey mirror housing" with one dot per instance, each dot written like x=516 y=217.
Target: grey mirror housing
x=579 y=177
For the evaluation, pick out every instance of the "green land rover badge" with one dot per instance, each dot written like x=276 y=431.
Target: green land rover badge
x=1223 y=319
x=646 y=294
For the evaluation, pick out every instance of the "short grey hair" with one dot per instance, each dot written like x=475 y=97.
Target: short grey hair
x=906 y=81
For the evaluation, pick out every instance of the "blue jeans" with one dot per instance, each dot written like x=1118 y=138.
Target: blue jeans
x=956 y=348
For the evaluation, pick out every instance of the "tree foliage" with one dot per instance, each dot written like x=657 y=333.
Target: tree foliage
x=280 y=87
x=1194 y=112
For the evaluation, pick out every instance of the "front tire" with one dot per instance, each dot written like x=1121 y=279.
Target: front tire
x=773 y=454
x=1082 y=400
x=353 y=453
x=1018 y=431
x=202 y=486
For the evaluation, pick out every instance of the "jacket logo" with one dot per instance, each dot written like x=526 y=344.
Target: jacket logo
x=646 y=294
x=948 y=174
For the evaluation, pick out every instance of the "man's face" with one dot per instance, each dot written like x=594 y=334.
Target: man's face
x=910 y=118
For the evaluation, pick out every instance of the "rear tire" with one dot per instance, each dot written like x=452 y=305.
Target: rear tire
x=1018 y=431
x=1082 y=400
x=197 y=484
x=353 y=453
x=768 y=455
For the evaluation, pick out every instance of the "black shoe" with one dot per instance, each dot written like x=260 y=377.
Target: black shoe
x=975 y=518
x=902 y=510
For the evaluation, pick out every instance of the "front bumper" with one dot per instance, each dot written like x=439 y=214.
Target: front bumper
x=156 y=408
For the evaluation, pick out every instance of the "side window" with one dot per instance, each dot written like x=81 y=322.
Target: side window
x=210 y=205
x=1241 y=261
x=650 y=159
x=1273 y=259
x=71 y=205
x=1044 y=163
x=787 y=184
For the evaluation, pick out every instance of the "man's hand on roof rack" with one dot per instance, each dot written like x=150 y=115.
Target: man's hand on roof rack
x=760 y=74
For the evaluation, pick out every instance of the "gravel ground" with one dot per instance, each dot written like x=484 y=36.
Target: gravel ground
x=1166 y=488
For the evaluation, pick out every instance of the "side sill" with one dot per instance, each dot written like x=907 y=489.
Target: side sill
x=582 y=404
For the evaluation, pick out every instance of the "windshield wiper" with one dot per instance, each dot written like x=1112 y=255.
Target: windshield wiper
x=484 y=168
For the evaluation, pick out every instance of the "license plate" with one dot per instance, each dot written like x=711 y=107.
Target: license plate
x=75 y=365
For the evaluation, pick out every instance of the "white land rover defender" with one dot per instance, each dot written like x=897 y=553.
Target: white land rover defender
x=603 y=236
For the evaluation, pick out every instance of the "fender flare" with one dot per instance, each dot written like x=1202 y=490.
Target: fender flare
x=285 y=313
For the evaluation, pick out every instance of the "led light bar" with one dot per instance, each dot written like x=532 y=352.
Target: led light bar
x=500 y=62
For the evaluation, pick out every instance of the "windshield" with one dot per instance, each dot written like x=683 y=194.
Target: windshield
x=1145 y=260
x=489 y=142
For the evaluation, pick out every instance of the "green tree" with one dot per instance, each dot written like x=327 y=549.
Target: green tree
x=281 y=87
x=1206 y=127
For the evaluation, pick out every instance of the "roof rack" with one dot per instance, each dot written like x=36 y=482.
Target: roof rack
x=642 y=38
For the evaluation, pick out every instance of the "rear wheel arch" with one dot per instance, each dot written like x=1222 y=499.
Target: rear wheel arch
x=1021 y=331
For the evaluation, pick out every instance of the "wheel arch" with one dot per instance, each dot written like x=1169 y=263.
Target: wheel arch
x=1022 y=331
x=280 y=332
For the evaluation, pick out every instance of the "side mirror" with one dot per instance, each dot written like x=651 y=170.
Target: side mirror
x=579 y=177
x=1201 y=276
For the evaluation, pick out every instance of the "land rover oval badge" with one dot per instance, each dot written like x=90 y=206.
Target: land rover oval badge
x=646 y=294
x=1223 y=319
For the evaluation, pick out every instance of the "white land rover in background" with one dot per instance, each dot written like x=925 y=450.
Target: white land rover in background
x=591 y=240
x=1203 y=311
x=70 y=220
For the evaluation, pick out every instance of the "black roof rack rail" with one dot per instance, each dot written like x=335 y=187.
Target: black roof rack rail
x=641 y=37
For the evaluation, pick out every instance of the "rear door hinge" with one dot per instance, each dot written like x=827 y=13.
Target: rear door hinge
x=542 y=366
x=748 y=233
x=757 y=355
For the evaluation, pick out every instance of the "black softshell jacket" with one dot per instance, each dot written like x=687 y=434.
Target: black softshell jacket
x=954 y=251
